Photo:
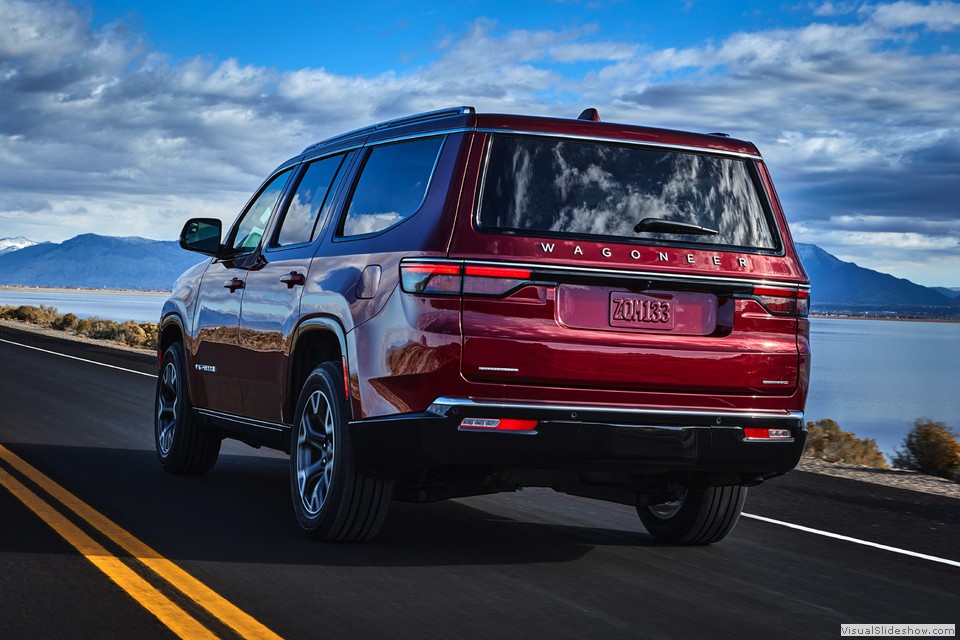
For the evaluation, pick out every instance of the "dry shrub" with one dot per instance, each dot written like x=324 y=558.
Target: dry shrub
x=42 y=316
x=931 y=448
x=98 y=329
x=143 y=334
x=826 y=440
x=150 y=335
x=66 y=322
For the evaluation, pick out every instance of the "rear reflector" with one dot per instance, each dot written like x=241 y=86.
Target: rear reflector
x=497 y=424
x=754 y=433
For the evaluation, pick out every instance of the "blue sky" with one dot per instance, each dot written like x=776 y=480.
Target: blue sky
x=126 y=118
x=396 y=35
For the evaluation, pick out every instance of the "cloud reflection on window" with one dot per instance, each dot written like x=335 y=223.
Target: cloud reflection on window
x=595 y=189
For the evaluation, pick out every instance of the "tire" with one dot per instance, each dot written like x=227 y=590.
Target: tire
x=331 y=500
x=182 y=445
x=700 y=516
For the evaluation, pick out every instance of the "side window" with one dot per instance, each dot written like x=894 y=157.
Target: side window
x=249 y=229
x=392 y=185
x=302 y=219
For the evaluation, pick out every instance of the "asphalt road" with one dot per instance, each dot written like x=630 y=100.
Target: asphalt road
x=535 y=564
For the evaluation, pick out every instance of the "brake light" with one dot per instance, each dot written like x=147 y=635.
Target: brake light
x=783 y=301
x=445 y=278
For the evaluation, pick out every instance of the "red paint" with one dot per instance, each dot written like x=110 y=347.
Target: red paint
x=463 y=313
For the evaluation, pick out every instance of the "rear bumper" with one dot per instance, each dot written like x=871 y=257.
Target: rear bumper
x=583 y=438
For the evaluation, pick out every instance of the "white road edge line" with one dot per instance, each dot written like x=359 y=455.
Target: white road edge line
x=837 y=536
x=63 y=355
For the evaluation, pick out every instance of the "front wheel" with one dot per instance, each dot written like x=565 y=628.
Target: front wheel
x=697 y=516
x=331 y=499
x=182 y=446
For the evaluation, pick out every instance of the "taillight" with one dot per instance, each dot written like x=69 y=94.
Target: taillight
x=445 y=278
x=783 y=301
x=493 y=281
x=431 y=278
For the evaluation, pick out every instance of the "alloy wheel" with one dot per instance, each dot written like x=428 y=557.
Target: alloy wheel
x=315 y=452
x=167 y=408
x=667 y=510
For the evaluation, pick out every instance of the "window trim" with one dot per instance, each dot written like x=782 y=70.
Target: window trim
x=368 y=151
x=750 y=161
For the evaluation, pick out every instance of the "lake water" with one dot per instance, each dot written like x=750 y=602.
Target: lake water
x=141 y=307
x=873 y=377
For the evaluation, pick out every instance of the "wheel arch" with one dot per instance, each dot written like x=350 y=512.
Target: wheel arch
x=315 y=340
x=170 y=330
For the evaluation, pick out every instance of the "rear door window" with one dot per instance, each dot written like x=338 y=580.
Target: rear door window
x=392 y=185
x=599 y=190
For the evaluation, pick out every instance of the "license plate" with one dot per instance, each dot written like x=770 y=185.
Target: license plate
x=638 y=311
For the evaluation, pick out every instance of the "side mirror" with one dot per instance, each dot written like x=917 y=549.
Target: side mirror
x=201 y=235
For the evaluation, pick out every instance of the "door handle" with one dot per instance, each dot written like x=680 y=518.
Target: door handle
x=233 y=284
x=293 y=278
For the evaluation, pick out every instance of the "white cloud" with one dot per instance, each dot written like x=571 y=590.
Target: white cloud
x=886 y=240
x=859 y=123
x=579 y=52
x=836 y=8
x=936 y=16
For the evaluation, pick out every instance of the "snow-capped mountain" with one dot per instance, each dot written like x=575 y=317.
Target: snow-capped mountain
x=8 y=245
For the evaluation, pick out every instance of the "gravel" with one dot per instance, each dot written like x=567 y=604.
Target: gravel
x=899 y=478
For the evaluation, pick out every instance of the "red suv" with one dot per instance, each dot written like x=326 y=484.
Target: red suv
x=454 y=303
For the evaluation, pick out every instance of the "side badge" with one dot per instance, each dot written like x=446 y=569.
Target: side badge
x=208 y=368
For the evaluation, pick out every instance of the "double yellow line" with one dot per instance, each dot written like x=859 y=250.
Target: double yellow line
x=168 y=612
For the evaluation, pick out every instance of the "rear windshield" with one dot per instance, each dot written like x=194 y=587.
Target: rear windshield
x=557 y=187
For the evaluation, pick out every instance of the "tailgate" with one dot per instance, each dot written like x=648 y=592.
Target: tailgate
x=630 y=332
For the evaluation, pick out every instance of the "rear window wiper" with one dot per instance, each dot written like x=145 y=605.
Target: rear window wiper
x=670 y=226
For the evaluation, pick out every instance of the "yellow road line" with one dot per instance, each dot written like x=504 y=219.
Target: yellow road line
x=245 y=625
x=175 y=618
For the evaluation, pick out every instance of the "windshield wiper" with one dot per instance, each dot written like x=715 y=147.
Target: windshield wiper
x=669 y=226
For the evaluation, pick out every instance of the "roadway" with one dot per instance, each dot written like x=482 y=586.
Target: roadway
x=526 y=565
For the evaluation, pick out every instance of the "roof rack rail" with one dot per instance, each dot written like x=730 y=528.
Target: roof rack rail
x=396 y=122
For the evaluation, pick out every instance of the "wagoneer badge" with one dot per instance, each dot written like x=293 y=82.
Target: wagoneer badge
x=662 y=256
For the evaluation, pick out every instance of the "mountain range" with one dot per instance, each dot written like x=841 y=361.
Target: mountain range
x=91 y=261
x=105 y=262
x=953 y=292
x=834 y=283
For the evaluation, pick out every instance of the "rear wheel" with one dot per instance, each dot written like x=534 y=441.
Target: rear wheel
x=182 y=446
x=331 y=499
x=697 y=516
